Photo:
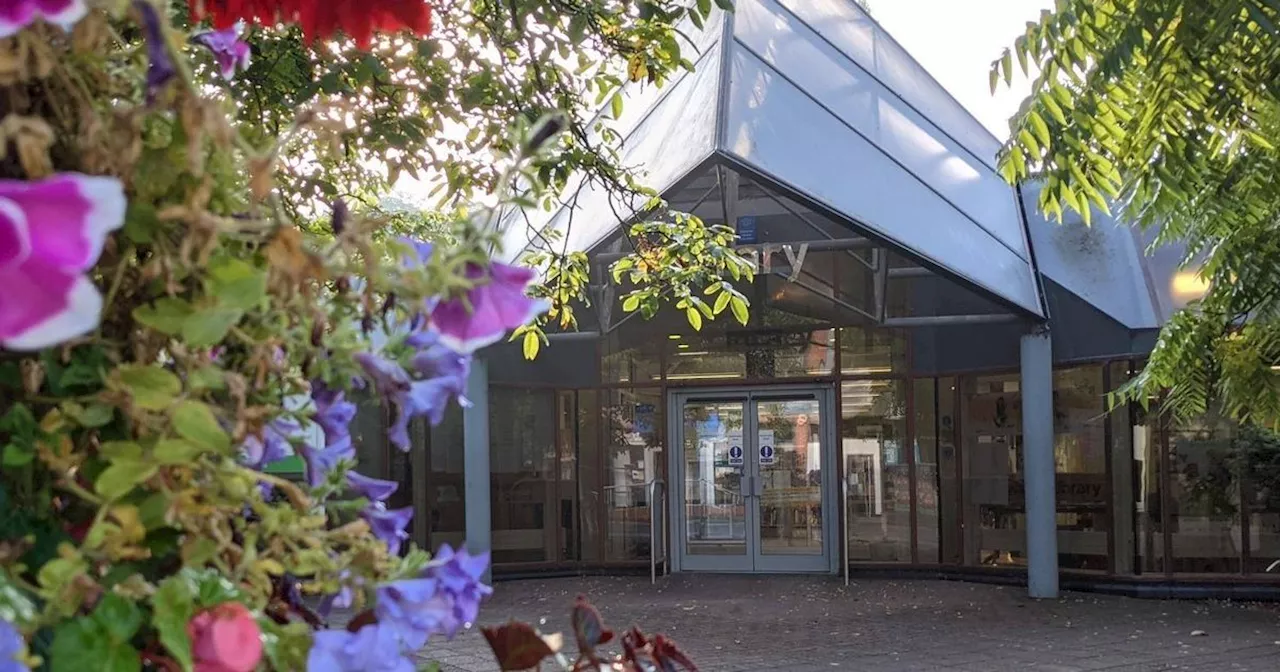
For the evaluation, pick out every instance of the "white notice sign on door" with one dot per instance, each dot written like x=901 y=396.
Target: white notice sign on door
x=767 y=449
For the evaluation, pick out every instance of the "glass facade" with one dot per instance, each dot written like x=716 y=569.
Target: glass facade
x=932 y=467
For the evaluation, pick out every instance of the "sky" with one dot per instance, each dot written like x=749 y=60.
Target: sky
x=956 y=41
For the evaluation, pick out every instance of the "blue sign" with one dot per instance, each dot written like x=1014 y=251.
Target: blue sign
x=735 y=454
x=746 y=228
x=766 y=454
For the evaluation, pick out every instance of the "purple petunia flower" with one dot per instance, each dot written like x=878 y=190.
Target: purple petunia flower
x=333 y=412
x=231 y=53
x=496 y=304
x=51 y=232
x=373 y=489
x=415 y=609
x=321 y=461
x=411 y=397
x=459 y=574
x=160 y=67
x=389 y=525
x=12 y=645
x=18 y=14
x=374 y=648
x=270 y=445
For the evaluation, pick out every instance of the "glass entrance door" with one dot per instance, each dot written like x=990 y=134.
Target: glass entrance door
x=754 y=485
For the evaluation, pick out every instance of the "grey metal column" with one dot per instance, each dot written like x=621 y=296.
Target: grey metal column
x=1038 y=462
x=475 y=460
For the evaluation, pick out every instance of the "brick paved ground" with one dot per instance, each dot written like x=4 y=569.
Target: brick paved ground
x=806 y=624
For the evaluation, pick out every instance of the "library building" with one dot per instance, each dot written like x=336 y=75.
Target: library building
x=921 y=387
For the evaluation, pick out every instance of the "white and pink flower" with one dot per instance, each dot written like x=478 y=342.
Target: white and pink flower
x=52 y=232
x=18 y=14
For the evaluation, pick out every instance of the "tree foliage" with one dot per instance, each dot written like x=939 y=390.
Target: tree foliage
x=1167 y=111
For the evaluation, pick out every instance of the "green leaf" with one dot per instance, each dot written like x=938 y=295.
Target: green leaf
x=695 y=318
x=166 y=316
x=151 y=387
x=237 y=284
x=531 y=345
x=118 y=616
x=83 y=644
x=722 y=302
x=195 y=422
x=631 y=303
x=172 y=606
x=739 y=307
x=207 y=378
x=16 y=455
x=91 y=416
x=120 y=450
x=615 y=105
x=118 y=479
x=704 y=7
x=176 y=451
x=208 y=326
x=1040 y=128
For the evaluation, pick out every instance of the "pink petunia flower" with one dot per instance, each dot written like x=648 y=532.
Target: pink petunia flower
x=231 y=53
x=497 y=304
x=18 y=14
x=52 y=232
x=225 y=638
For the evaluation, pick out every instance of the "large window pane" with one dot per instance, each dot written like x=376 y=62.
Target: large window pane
x=873 y=447
x=1149 y=492
x=1080 y=456
x=926 y=440
x=444 y=482
x=994 y=509
x=633 y=458
x=522 y=474
x=865 y=352
x=1125 y=475
x=1259 y=454
x=1204 y=498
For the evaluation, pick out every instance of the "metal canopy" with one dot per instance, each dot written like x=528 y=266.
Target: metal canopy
x=808 y=111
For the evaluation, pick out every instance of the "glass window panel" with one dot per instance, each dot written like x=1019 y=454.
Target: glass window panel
x=1204 y=498
x=791 y=492
x=928 y=520
x=1148 y=492
x=1080 y=459
x=994 y=509
x=1259 y=454
x=633 y=458
x=589 y=473
x=715 y=510
x=522 y=474
x=446 y=496
x=949 y=474
x=865 y=352
x=1124 y=477
x=873 y=437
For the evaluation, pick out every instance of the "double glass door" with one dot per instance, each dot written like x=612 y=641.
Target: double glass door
x=755 y=481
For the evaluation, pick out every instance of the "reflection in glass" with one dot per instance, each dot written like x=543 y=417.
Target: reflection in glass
x=873 y=436
x=1203 y=514
x=926 y=426
x=715 y=514
x=790 y=455
x=868 y=352
x=1080 y=456
x=633 y=459
x=522 y=474
x=444 y=482
x=1259 y=454
x=994 y=508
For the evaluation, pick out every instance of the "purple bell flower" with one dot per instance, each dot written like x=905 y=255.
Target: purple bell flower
x=321 y=461
x=12 y=645
x=460 y=574
x=333 y=412
x=411 y=397
x=415 y=609
x=160 y=67
x=373 y=489
x=374 y=648
x=231 y=53
x=270 y=445
x=389 y=525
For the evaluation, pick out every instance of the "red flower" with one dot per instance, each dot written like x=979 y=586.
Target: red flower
x=323 y=19
x=225 y=639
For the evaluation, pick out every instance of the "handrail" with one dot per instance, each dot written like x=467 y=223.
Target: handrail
x=657 y=494
x=843 y=552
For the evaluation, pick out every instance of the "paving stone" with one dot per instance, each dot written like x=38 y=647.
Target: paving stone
x=745 y=623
